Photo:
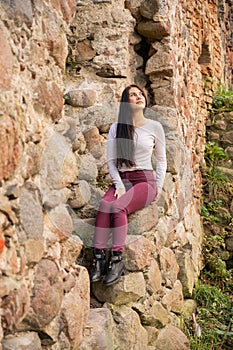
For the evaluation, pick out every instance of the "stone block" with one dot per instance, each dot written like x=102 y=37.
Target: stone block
x=167 y=116
x=21 y=11
x=128 y=331
x=81 y=97
x=15 y=305
x=59 y=221
x=6 y=62
x=175 y=154
x=152 y=313
x=84 y=229
x=92 y=138
x=153 y=277
x=173 y=299
x=22 y=341
x=130 y=288
x=189 y=307
x=169 y=266
x=80 y=194
x=137 y=252
x=143 y=220
x=30 y=207
x=154 y=30
x=55 y=39
x=187 y=273
x=152 y=334
x=171 y=337
x=9 y=143
x=47 y=295
x=34 y=251
x=160 y=62
x=87 y=170
x=58 y=164
x=66 y=7
x=98 y=332
x=70 y=250
x=75 y=308
x=49 y=97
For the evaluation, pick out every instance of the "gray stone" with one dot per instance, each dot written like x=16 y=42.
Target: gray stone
x=175 y=154
x=186 y=273
x=84 y=229
x=152 y=312
x=59 y=221
x=67 y=127
x=53 y=198
x=21 y=11
x=160 y=62
x=30 y=207
x=22 y=341
x=169 y=266
x=152 y=335
x=98 y=332
x=47 y=294
x=143 y=220
x=81 y=194
x=128 y=289
x=70 y=250
x=189 y=307
x=128 y=331
x=149 y=7
x=153 y=277
x=34 y=250
x=137 y=252
x=58 y=164
x=88 y=170
x=153 y=30
x=173 y=299
x=167 y=116
x=172 y=338
x=80 y=98
x=75 y=308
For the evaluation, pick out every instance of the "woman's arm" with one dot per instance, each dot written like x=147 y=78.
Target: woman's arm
x=111 y=160
x=161 y=160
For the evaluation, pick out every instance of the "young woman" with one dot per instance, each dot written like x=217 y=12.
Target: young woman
x=131 y=142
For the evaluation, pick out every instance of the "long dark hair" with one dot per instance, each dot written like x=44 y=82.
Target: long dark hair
x=125 y=129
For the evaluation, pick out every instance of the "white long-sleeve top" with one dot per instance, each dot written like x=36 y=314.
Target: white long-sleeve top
x=147 y=138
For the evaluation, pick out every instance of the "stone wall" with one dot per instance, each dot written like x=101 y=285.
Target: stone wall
x=220 y=132
x=63 y=65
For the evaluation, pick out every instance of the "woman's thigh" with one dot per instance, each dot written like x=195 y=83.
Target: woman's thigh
x=137 y=197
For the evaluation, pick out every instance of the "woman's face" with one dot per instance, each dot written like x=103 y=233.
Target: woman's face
x=137 y=98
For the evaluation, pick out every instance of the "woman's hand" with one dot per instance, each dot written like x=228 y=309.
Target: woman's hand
x=119 y=192
x=158 y=194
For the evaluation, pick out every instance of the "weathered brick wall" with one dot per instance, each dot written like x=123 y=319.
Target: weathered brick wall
x=53 y=160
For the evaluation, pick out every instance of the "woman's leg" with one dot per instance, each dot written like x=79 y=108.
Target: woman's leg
x=136 y=198
x=103 y=219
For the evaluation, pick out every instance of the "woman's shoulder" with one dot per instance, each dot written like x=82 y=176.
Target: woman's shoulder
x=112 y=130
x=154 y=124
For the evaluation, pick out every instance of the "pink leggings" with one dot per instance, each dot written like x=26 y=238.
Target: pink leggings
x=140 y=191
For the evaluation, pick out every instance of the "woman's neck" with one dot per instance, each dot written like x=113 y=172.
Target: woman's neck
x=138 y=118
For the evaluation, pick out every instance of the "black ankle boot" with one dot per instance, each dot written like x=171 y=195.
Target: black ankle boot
x=99 y=265
x=116 y=269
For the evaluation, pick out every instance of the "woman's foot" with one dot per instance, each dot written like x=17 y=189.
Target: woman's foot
x=99 y=265
x=116 y=269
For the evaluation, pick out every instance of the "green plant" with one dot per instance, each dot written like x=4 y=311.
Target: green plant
x=209 y=211
x=214 y=315
x=223 y=100
x=214 y=154
x=214 y=157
